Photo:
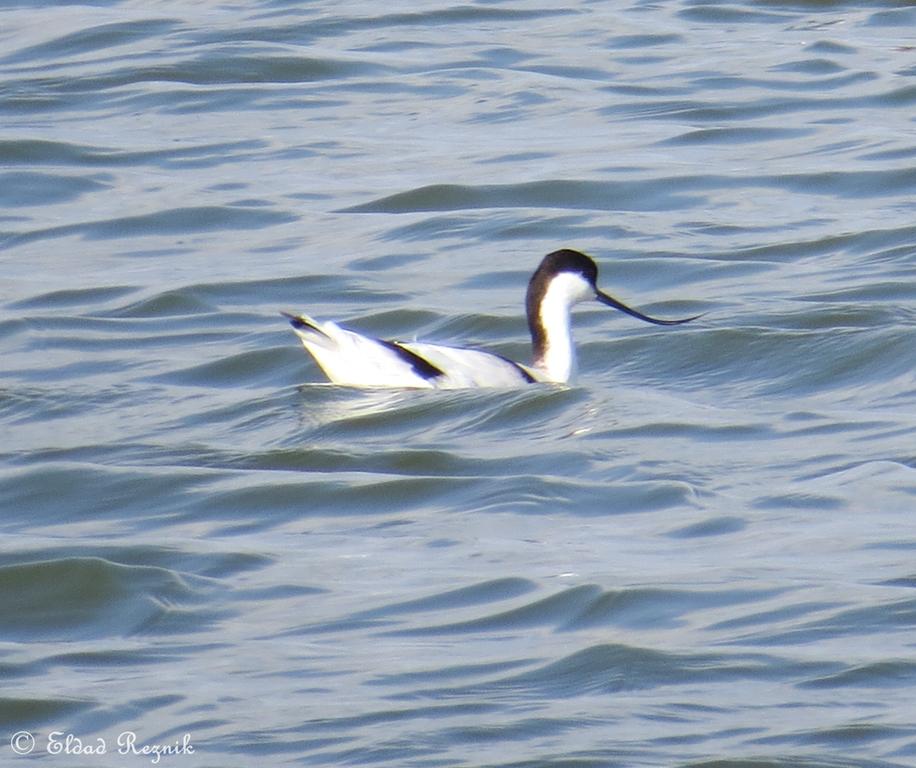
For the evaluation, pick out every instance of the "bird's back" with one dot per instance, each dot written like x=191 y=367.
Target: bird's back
x=351 y=359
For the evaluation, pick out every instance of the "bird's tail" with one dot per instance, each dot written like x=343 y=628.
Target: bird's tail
x=303 y=324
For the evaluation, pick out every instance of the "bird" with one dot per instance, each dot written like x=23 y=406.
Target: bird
x=564 y=278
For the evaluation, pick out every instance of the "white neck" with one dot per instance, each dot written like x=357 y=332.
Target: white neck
x=557 y=359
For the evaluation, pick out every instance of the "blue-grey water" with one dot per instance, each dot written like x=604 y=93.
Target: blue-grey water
x=701 y=554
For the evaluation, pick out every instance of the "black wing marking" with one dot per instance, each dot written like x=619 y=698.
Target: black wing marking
x=421 y=366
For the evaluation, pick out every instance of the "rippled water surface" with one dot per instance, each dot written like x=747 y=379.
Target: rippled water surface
x=702 y=554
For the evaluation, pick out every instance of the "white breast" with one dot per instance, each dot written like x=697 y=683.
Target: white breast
x=557 y=358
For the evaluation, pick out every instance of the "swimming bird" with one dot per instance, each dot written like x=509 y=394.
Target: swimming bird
x=563 y=278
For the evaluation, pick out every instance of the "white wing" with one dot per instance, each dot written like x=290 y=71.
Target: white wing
x=351 y=359
x=471 y=367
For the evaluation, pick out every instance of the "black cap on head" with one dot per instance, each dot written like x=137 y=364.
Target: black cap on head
x=567 y=260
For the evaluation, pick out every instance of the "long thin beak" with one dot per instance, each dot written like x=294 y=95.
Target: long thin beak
x=612 y=302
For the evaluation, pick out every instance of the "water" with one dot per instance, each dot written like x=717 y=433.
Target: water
x=700 y=555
